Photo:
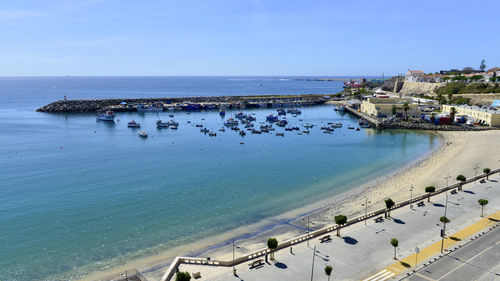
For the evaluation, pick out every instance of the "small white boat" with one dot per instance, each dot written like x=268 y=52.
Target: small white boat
x=222 y=129
x=142 y=134
x=150 y=108
x=212 y=134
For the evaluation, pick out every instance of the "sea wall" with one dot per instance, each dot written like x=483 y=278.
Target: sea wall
x=62 y=106
x=415 y=88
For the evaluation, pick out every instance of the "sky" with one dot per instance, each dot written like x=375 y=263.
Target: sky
x=245 y=37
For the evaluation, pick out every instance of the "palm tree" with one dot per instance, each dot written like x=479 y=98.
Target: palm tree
x=272 y=244
x=462 y=179
x=430 y=189
x=405 y=108
x=328 y=271
x=340 y=220
x=453 y=111
x=389 y=204
x=482 y=202
x=394 y=243
x=487 y=171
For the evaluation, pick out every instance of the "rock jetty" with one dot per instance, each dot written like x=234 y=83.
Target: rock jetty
x=96 y=105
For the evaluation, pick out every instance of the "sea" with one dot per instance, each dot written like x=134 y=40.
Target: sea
x=78 y=195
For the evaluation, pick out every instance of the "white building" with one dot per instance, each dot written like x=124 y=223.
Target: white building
x=414 y=76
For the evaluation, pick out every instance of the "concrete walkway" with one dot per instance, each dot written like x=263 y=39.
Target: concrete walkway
x=364 y=252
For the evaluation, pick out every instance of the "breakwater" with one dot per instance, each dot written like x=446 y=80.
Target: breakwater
x=184 y=103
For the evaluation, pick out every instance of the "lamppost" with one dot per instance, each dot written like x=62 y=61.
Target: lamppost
x=411 y=196
x=234 y=268
x=308 y=229
x=366 y=209
x=476 y=167
x=446 y=203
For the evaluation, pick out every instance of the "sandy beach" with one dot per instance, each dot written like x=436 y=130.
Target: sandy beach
x=458 y=154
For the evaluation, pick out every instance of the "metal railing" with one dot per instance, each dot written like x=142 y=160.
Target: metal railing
x=299 y=239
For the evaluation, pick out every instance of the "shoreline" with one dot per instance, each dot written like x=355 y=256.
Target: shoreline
x=253 y=237
x=434 y=164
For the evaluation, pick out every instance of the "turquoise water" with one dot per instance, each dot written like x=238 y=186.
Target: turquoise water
x=79 y=195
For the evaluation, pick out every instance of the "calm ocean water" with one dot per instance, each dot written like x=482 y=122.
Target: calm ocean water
x=79 y=195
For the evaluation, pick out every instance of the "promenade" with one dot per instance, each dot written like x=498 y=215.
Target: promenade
x=365 y=253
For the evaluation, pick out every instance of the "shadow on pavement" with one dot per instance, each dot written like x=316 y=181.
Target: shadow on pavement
x=407 y=265
x=438 y=205
x=455 y=238
x=470 y=192
x=349 y=240
x=281 y=265
x=399 y=221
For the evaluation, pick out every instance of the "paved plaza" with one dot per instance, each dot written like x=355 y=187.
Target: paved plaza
x=364 y=252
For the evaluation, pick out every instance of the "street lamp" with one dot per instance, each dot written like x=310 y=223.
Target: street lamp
x=446 y=202
x=308 y=230
x=411 y=196
x=366 y=208
x=476 y=167
x=234 y=268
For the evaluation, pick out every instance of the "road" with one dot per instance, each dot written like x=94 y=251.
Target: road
x=477 y=260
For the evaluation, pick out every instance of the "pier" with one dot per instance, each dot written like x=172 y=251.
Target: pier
x=186 y=103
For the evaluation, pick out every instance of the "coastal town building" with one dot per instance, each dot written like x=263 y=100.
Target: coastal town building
x=382 y=107
x=484 y=116
x=414 y=76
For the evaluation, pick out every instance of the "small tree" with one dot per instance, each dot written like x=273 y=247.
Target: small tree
x=405 y=108
x=389 y=204
x=340 y=220
x=462 y=179
x=328 y=271
x=482 y=202
x=430 y=189
x=482 y=66
x=433 y=117
x=487 y=171
x=394 y=110
x=272 y=244
x=182 y=276
x=394 y=243
x=453 y=112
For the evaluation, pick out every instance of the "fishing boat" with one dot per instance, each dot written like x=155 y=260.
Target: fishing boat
x=335 y=125
x=173 y=127
x=222 y=129
x=272 y=118
x=305 y=132
x=150 y=108
x=204 y=130
x=340 y=108
x=350 y=127
x=199 y=125
x=364 y=123
x=281 y=112
x=280 y=134
x=231 y=122
x=242 y=133
x=142 y=134
x=256 y=132
x=240 y=115
x=222 y=112
x=161 y=124
x=133 y=124
x=251 y=118
x=282 y=123
x=212 y=134
x=107 y=116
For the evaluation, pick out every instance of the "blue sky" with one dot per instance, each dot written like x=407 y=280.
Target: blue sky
x=245 y=37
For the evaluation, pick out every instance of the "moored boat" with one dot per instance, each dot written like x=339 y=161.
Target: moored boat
x=142 y=134
x=133 y=124
x=107 y=116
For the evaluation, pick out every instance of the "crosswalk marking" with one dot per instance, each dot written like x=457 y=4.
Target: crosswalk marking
x=381 y=276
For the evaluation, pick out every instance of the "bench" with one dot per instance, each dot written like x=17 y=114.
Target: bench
x=379 y=219
x=454 y=191
x=256 y=263
x=420 y=204
x=325 y=238
x=482 y=181
x=196 y=275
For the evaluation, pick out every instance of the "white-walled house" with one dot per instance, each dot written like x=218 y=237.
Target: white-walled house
x=414 y=76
